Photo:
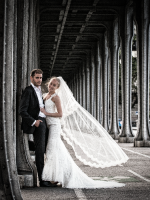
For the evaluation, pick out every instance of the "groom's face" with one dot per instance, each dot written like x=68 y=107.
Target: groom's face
x=36 y=79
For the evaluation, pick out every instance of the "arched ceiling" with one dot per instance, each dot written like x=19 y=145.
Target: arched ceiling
x=68 y=31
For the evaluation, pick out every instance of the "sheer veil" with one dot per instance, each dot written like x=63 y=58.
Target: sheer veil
x=91 y=143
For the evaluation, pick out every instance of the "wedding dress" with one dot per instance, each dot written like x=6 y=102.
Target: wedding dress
x=78 y=128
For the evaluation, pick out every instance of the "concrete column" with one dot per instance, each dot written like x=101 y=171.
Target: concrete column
x=114 y=130
x=9 y=175
x=83 y=86
x=126 y=75
x=142 y=9
x=88 y=84
x=98 y=81
x=105 y=85
x=92 y=82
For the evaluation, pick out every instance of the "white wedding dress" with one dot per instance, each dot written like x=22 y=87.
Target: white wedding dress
x=59 y=165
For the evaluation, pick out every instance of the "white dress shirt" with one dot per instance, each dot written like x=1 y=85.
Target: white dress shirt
x=41 y=104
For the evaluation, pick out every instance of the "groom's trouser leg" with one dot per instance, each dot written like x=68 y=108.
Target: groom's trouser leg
x=39 y=140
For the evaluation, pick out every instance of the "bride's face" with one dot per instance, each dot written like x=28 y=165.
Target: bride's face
x=53 y=85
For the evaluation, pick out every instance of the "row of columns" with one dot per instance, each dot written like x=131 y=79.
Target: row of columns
x=90 y=85
x=85 y=86
x=98 y=75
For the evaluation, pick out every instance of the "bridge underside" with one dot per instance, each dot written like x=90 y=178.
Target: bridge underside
x=80 y=41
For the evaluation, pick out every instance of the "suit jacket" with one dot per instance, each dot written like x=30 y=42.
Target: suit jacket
x=29 y=109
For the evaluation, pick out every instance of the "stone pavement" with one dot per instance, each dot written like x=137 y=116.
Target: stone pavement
x=135 y=174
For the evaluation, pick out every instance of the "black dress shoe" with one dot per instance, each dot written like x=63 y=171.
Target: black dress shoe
x=47 y=184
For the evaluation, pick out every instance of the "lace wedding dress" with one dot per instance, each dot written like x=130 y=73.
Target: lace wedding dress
x=59 y=165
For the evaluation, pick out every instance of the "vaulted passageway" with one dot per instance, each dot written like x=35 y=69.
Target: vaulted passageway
x=80 y=41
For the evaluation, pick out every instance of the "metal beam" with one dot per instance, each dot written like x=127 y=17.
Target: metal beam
x=61 y=32
x=80 y=22
x=86 y=8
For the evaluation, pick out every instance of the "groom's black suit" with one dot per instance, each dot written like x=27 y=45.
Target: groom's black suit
x=29 y=111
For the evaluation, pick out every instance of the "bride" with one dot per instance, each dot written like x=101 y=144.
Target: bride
x=91 y=143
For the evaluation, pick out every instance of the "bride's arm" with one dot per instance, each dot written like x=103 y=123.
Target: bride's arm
x=58 y=106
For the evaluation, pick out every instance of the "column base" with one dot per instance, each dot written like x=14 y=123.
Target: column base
x=114 y=136
x=126 y=140
x=141 y=143
x=26 y=181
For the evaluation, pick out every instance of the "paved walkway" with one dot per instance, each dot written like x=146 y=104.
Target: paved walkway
x=135 y=174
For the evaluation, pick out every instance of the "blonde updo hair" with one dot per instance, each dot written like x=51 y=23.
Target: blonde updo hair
x=54 y=78
x=47 y=84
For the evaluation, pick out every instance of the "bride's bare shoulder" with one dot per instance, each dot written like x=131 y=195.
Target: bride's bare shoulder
x=56 y=97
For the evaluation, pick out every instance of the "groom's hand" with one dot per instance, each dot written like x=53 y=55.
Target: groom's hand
x=37 y=123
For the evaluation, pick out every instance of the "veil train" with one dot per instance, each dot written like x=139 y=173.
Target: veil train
x=91 y=143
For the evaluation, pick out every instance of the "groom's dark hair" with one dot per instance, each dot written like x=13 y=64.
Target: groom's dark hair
x=36 y=71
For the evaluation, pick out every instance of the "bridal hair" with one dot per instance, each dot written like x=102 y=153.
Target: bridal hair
x=47 y=84
x=54 y=78
x=36 y=71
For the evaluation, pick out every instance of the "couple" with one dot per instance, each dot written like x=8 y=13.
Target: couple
x=63 y=115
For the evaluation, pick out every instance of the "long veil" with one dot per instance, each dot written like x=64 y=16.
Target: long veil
x=91 y=143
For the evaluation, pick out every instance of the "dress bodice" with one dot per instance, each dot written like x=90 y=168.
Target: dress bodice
x=50 y=107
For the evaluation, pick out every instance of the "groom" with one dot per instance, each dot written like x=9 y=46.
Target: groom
x=33 y=120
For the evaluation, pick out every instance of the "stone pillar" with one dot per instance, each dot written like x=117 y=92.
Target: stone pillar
x=142 y=17
x=83 y=86
x=98 y=81
x=9 y=183
x=92 y=82
x=114 y=129
x=88 y=84
x=105 y=85
x=126 y=31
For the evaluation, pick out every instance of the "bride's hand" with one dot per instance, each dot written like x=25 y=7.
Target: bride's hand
x=43 y=110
